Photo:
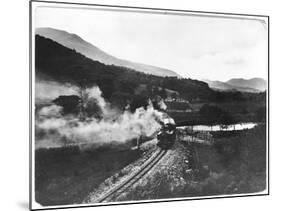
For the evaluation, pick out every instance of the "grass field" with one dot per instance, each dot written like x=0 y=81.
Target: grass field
x=234 y=164
x=67 y=175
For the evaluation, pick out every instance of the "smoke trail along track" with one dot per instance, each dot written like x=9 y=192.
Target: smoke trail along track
x=115 y=192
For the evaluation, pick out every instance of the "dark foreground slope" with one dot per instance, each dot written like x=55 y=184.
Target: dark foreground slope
x=67 y=175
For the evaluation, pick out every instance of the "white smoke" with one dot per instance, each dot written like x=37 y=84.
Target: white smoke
x=162 y=105
x=49 y=111
x=95 y=93
x=47 y=91
x=56 y=130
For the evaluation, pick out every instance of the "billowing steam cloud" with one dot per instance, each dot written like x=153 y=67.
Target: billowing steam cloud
x=46 y=91
x=95 y=94
x=162 y=105
x=55 y=130
x=50 y=111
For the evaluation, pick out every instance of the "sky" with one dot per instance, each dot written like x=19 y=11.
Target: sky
x=195 y=46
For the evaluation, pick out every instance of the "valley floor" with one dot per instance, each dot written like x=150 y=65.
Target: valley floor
x=234 y=164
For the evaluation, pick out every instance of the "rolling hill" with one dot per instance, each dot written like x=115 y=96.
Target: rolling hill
x=254 y=83
x=224 y=86
x=58 y=63
x=73 y=41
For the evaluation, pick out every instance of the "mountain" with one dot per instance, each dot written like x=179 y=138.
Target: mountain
x=254 y=83
x=223 y=86
x=75 y=42
x=58 y=63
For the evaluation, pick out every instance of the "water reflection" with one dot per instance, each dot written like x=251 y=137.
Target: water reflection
x=239 y=126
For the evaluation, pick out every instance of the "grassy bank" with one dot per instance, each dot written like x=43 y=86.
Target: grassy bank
x=234 y=164
x=67 y=175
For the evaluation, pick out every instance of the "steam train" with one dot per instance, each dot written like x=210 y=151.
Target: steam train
x=167 y=134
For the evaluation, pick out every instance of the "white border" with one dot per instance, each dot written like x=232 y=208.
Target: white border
x=34 y=5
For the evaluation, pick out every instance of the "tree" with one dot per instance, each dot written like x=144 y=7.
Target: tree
x=120 y=99
x=137 y=102
x=215 y=115
x=70 y=103
x=92 y=109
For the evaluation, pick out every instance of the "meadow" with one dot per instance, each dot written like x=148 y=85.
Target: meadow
x=67 y=175
x=235 y=164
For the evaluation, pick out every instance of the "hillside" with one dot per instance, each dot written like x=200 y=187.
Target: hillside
x=75 y=42
x=223 y=86
x=117 y=83
x=254 y=83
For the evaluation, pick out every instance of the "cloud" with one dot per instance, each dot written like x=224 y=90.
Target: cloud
x=193 y=46
x=236 y=61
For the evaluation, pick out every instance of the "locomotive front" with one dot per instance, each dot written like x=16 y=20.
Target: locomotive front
x=167 y=135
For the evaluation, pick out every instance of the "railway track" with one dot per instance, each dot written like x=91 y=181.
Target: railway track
x=121 y=188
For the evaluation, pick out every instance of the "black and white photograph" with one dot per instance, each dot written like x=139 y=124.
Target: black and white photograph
x=136 y=105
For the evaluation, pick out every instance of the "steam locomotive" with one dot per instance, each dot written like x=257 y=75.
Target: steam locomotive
x=167 y=135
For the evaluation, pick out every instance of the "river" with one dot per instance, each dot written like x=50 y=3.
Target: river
x=232 y=127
